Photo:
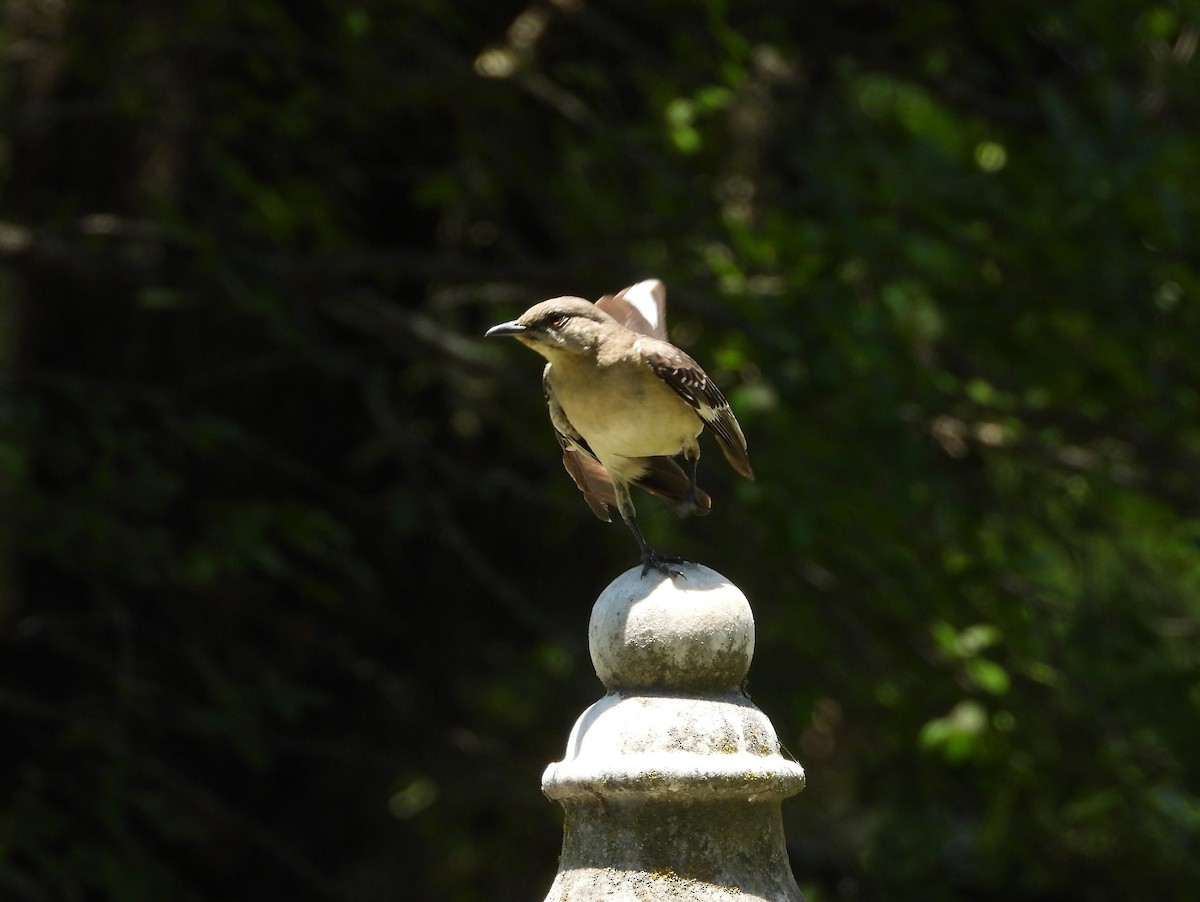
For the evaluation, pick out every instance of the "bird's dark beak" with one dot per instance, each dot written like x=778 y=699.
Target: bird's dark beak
x=513 y=328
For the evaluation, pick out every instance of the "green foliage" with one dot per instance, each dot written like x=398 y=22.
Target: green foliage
x=292 y=586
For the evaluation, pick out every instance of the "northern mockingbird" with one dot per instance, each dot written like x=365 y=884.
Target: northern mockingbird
x=624 y=402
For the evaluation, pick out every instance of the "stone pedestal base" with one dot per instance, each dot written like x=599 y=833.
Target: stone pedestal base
x=672 y=783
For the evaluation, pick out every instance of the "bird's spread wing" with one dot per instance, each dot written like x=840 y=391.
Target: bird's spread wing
x=692 y=384
x=641 y=308
x=589 y=474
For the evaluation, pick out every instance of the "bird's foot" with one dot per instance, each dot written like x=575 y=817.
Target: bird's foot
x=662 y=563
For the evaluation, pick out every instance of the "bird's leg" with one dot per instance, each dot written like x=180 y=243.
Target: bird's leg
x=650 y=557
x=693 y=495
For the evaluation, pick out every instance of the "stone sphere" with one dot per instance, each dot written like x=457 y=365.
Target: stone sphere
x=694 y=631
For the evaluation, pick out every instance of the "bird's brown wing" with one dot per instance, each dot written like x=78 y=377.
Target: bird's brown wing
x=691 y=383
x=666 y=479
x=641 y=308
x=580 y=462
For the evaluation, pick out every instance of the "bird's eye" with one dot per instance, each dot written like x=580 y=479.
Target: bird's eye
x=559 y=323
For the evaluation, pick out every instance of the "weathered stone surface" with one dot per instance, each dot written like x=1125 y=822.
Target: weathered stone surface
x=711 y=747
x=672 y=782
x=691 y=632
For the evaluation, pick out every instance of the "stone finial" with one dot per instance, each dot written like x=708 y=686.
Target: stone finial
x=694 y=633
x=672 y=782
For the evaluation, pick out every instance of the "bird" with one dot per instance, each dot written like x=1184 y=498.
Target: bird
x=625 y=403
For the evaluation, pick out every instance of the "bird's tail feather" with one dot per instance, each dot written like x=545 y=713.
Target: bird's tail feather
x=663 y=477
x=666 y=479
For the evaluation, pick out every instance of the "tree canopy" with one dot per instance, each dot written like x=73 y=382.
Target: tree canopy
x=293 y=588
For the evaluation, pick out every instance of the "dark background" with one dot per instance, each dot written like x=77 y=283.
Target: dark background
x=293 y=588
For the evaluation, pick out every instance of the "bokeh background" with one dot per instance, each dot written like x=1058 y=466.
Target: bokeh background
x=293 y=588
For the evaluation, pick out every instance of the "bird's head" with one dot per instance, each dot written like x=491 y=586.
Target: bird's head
x=559 y=326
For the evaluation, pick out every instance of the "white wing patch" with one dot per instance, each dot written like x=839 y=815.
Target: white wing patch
x=641 y=308
x=646 y=298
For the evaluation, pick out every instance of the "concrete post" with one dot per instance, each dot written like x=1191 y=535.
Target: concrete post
x=672 y=782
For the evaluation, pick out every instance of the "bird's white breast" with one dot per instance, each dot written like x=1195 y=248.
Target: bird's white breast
x=622 y=413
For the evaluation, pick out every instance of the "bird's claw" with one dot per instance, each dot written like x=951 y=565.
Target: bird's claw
x=662 y=563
